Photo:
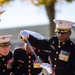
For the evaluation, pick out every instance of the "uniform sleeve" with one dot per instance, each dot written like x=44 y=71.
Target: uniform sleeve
x=15 y=55
x=42 y=44
x=15 y=59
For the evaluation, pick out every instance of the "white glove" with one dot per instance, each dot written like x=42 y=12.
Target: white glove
x=24 y=35
x=47 y=66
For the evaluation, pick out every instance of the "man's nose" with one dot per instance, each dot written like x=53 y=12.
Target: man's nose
x=60 y=34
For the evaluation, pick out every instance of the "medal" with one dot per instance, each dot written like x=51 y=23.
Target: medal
x=64 y=55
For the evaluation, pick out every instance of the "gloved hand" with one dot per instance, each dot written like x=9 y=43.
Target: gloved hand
x=47 y=66
x=24 y=35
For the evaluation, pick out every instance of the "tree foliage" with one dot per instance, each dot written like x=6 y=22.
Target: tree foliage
x=47 y=2
x=4 y=1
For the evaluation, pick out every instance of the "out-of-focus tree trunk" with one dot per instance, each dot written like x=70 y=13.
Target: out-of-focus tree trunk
x=51 y=14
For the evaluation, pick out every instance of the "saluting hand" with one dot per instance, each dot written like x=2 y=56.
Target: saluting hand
x=24 y=35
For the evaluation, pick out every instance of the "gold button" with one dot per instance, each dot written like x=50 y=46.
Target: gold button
x=54 y=66
x=29 y=56
x=63 y=43
x=29 y=66
x=29 y=70
x=3 y=59
x=55 y=59
x=27 y=52
x=18 y=67
x=38 y=50
x=56 y=52
x=29 y=73
x=3 y=70
x=4 y=64
x=59 y=46
x=29 y=61
x=71 y=43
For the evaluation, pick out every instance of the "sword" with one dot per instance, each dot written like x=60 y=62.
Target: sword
x=36 y=56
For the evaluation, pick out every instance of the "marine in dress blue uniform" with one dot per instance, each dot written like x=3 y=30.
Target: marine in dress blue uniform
x=62 y=53
x=5 y=55
x=25 y=62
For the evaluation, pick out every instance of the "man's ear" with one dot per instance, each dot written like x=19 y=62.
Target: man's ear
x=70 y=32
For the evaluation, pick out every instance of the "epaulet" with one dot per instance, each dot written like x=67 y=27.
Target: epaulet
x=53 y=40
x=72 y=44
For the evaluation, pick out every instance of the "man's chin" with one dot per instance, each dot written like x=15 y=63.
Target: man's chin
x=61 y=40
x=5 y=54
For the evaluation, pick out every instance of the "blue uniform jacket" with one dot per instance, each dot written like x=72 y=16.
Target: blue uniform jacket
x=26 y=64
